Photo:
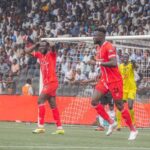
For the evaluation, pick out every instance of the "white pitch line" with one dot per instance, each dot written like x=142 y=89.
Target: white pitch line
x=61 y=147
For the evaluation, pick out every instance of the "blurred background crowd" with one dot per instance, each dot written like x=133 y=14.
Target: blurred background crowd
x=23 y=22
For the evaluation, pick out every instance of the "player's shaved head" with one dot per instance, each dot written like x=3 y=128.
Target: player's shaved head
x=101 y=29
x=99 y=35
x=125 y=58
x=44 y=45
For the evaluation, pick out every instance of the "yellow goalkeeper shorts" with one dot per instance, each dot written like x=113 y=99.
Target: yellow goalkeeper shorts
x=129 y=95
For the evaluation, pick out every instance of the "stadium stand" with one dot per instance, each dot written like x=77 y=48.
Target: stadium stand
x=23 y=22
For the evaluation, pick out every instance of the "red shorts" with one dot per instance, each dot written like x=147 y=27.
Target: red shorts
x=116 y=89
x=50 y=89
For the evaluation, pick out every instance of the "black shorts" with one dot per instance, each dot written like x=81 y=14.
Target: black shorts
x=107 y=100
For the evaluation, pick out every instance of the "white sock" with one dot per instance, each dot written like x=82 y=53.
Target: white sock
x=101 y=121
x=111 y=113
x=60 y=128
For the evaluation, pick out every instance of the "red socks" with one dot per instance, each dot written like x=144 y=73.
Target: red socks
x=101 y=111
x=127 y=118
x=56 y=117
x=41 y=114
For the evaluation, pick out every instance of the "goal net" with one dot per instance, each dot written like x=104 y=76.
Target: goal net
x=72 y=69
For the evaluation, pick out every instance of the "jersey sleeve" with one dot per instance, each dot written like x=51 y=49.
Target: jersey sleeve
x=97 y=56
x=111 y=51
x=120 y=68
x=36 y=54
x=53 y=54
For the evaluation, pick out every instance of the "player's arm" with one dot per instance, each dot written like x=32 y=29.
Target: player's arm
x=87 y=81
x=92 y=61
x=32 y=48
x=134 y=66
x=112 y=58
x=111 y=63
x=54 y=47
x=91 y=81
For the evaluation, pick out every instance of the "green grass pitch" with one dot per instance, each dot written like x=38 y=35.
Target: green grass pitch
x=18 y=136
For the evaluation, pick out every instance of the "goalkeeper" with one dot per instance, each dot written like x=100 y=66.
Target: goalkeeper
x=127 y=69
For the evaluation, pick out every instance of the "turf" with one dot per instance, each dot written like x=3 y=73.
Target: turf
x=18 y=136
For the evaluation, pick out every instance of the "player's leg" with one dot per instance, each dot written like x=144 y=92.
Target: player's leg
x=118 y=113
x=131 y=110
x=56 y=116
x=103 y=101
x=116 y=90
x=126 y=115
x=118 y=117
x=100 y=126
x=52 y=102
x=41 y=113
x=99 y=91
x=111 y=112
x=110 y=103
x=117 y=94
x=55 y=112
x=131 y=98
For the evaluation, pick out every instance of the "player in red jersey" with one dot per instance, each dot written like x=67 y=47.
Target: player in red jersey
x=47 y=60
x=110 y=80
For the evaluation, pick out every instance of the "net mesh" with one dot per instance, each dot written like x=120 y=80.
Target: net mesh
x=72 y=68
x=76 y=110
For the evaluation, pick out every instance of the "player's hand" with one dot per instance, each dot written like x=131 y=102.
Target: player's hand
x=99 y=60
x=37 y=44
x=91 y=62
x=52 y=44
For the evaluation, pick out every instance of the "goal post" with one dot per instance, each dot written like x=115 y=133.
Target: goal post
x=138 y=46
x=131 y=37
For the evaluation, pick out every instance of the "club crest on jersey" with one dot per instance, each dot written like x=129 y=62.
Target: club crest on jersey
x=44 y=63
x=111 y=50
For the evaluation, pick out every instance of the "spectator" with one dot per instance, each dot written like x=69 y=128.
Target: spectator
x=10 y=85
x=15 y=68
x=80 y=65
x=143 y=89
x=36 y=19
x=64 y=66
x=70 y=75
x=92 y=73
x=27 y=89
x=1 y=84
x=59 y=57
x=4 y=68
x=79 y=77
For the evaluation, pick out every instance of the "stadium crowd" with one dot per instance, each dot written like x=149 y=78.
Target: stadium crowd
x=23 y=22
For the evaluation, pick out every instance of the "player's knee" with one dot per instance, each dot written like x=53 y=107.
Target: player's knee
x=40 y=101
x=94 y=103
x=119 y=105
x=52 y=102
x=130 y=107
x=52 y=105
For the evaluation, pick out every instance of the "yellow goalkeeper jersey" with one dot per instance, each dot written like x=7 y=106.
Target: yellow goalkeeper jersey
x=127 y=72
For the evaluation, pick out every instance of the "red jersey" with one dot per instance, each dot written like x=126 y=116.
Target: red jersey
x=48 y=66
x=105 y=52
